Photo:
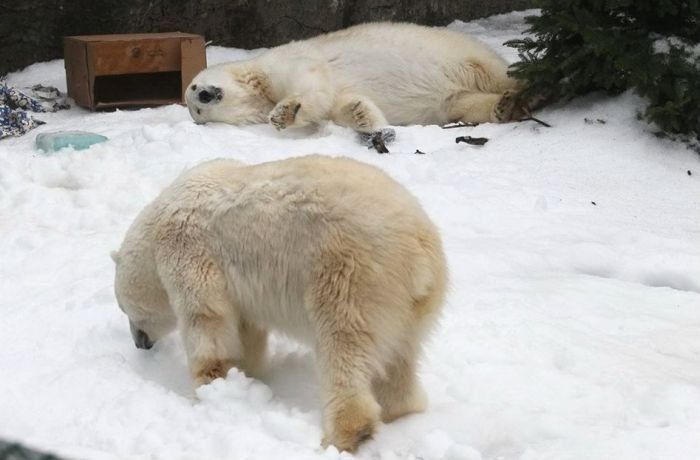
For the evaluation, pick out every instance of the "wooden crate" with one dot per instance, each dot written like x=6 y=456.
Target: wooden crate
x=131 y=70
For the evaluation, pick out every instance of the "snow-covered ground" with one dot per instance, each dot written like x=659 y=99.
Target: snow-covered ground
x=572 y=328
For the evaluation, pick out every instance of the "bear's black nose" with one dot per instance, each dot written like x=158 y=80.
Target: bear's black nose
x=208 y=94
x=205 y=96
x=142 y=340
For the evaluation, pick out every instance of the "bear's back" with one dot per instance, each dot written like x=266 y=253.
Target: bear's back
x=272 y=228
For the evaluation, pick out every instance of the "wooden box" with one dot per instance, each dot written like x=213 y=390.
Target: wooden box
x=131 y=70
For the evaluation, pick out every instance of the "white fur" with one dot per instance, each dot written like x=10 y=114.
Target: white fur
x=364 y=77
x=328 y=250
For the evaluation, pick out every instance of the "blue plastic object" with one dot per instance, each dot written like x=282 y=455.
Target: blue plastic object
x=79 y=140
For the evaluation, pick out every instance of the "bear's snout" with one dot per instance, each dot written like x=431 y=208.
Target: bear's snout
x=209 y=94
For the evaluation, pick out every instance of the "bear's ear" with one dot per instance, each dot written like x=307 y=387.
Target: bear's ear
x=115 y=256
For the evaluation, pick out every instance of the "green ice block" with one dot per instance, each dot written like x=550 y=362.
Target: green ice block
x=79 y=140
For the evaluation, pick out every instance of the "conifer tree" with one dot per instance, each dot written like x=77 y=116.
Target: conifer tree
x=651 y=46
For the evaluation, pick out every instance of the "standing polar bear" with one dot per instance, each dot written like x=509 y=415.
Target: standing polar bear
x=330 y=251
x=365 y=77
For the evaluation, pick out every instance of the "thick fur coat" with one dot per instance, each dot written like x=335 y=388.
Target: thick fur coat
x=330 y=251
x=365 y=77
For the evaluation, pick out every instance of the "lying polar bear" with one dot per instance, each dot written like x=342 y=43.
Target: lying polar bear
x=328 y=250
x=365 y=77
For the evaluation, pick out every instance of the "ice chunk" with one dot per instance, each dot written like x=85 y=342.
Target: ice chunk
x=79 y=140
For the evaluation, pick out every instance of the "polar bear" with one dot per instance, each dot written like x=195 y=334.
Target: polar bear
x=365 y=77
x=330 y=251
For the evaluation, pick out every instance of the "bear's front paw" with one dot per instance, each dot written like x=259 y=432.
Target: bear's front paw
x=284 y=113
x=350 y=422
x=210 y=370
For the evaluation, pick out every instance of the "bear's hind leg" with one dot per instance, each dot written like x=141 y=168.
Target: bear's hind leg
x=473 y=107
x=399 y=392
x=351 y=413
x=346 y=353
x=484 y=107
x=254 y=342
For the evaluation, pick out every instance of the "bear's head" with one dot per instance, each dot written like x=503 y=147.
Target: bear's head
x=229 y=93
x=141 y=296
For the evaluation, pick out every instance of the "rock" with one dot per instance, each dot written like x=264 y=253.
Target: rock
x=32 y=30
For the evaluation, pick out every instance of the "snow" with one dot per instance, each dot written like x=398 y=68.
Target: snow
x=571 y=331
x=663 y=45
